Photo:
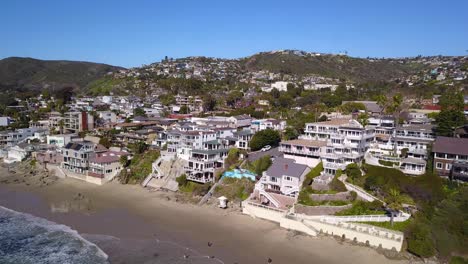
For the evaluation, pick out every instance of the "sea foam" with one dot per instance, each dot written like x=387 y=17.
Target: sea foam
x=25 y=238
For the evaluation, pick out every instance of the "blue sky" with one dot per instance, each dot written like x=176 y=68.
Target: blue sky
x=131 y=33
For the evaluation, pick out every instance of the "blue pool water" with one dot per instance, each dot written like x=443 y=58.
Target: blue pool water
x=240 y=174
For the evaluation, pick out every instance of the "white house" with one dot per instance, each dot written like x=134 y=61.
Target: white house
x=279 y=185
x=281 y=86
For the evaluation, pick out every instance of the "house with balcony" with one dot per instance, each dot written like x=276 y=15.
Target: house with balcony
x=413 y=137
x=346 y=142
x=303 y=151
x=104 y=166
x=451 y=158
x=243 y=138
x=205 y=162
x=279 y=186
x=182 y=142
x=76 y=156
x=12 y=138
x=240 y=121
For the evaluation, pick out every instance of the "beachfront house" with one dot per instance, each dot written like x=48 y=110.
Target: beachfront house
x=76 y=156
x=104 y=166
x=203 y=163
x=279 y=186
x=12 y=138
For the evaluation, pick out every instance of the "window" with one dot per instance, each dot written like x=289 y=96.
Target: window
x=438 y=165
x=448 y=166
x=287 y=178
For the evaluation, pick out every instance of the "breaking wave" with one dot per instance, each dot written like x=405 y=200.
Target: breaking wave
x=26 y=239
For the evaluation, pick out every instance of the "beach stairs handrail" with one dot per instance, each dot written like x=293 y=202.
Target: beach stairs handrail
x=155 y=171
x=272 y=199
x=359 y=191
x=291 y=190
x=147 y=180
x=365 y=218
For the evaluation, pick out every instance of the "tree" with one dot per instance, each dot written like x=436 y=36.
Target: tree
x=138 y=147
x=265 y=137
x=382 y=102
x=290 y=133
x=209 y=102
x=262 y=164
x=123 y=161
x=353 y=171
x=451 y=115
x=139 y=112
x=275 y=93
x=105 y=142
x=363 y=119
x=323 y=118
x=184 y=110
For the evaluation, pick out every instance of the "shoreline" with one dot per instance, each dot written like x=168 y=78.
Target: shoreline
x=139 y=217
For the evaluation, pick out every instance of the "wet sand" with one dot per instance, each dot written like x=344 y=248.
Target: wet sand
x=127 y=221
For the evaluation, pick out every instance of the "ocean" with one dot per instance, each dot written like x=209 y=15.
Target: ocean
x=28 y=239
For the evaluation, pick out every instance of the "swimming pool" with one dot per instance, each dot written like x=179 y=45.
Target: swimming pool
x=236 y=173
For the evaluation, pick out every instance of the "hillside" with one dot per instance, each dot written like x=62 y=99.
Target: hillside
x=32 y=74
x=329 y=65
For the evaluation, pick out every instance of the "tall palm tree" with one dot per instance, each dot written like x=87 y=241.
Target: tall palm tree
x=394 y=202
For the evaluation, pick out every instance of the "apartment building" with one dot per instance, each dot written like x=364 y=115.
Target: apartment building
x=78 y=121
x=346 y=142
x=451 y=157
x=194 y=103
x=415 y=138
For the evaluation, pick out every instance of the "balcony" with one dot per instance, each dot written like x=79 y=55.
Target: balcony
x=299 y=151
x=199 y=179
x=198 y=169
x=335 y=166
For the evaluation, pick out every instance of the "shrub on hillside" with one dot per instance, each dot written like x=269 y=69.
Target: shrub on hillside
x=263 y=138
x=312 y=174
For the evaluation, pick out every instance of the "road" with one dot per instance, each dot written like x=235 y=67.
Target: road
x=274 y=152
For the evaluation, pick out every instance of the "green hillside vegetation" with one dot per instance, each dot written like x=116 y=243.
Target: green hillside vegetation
x=440 y=226
x=36 y=74
x=334 y=66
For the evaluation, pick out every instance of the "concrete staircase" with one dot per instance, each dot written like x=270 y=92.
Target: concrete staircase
x=165 y=171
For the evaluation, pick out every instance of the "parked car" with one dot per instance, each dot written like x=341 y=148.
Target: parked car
x=266 y=148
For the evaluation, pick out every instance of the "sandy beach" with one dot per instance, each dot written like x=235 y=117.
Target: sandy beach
x=133 y=225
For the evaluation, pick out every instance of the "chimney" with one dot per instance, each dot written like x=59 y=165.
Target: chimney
x=285 y=166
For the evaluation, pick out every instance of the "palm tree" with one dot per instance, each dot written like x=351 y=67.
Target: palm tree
x=394 y=202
